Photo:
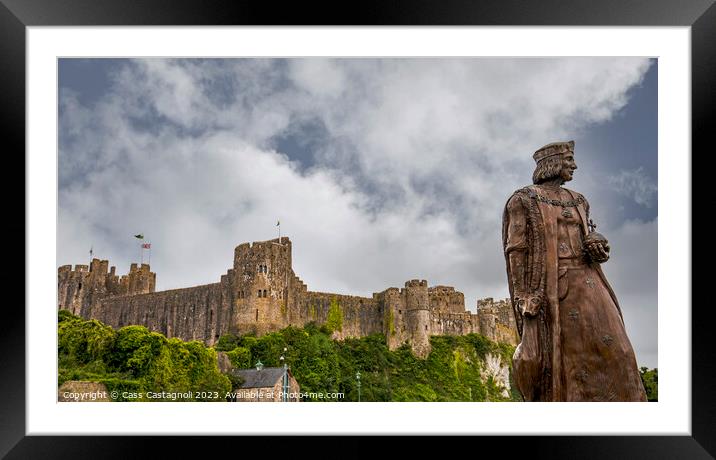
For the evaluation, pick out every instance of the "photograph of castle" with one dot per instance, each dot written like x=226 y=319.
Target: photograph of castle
x=362 y=200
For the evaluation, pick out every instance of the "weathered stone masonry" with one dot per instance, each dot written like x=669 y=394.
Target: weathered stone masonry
x=261 y=293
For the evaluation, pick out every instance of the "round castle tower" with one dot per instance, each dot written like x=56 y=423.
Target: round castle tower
x=417 y=317
x=262 y=277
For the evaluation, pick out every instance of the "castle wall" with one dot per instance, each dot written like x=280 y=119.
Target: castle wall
x=261 y=293
x=79 y=289
x=445 y=299
x=189 y=314
x=497 y=321
x=360 y=316
x=454 y=323
x=394 y=314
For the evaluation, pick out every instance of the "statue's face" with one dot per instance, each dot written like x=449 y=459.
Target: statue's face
x=568 y=166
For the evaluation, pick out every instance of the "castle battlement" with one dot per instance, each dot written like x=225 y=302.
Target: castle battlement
x=261 y=293
x=441 y=289
x=416 y=283
x=86 y=285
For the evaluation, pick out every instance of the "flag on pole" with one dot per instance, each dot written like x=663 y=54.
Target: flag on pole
x=147 y=246
x=278 y=223
x=91 y=251
x=140 y=236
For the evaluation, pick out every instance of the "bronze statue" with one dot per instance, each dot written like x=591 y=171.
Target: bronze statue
x=573 y=343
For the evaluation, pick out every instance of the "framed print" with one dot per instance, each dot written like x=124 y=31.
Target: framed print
x=343 y=162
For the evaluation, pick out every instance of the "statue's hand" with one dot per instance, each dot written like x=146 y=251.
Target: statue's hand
x=529 y=304
x=598 y=251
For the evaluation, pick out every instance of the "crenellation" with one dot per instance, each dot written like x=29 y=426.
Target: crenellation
x=497 y=321
x=445 y=299
x=261 y=293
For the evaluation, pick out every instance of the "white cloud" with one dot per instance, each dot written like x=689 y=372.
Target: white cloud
x=635 y=184
x=418 y=160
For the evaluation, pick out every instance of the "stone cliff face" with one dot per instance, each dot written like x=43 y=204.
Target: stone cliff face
x=261 y=293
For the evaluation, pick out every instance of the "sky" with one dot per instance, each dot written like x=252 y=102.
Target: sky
x=379 y=170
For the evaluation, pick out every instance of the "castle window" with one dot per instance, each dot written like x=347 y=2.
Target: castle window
x=264 y=292
x=426 y=327
x=80 y=287
x=400 y=312
x=257 y=314
x=259 y=294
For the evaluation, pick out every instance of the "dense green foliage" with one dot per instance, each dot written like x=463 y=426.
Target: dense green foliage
x=452 y=371
x=136 y=360
x=132 y=359
x=651 y=382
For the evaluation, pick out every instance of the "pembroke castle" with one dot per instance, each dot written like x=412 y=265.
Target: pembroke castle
x=261 y=293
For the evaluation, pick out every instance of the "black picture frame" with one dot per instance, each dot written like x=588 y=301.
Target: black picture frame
x=16 y=15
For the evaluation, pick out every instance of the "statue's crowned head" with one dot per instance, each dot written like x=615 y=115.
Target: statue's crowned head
x=550 y=161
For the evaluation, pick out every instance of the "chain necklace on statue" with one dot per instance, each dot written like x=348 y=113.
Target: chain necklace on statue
x=565 y=204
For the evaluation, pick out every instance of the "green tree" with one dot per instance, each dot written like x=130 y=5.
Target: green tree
x=227 y=342
x=240 y=357
x=135 y=359
x=650 y=378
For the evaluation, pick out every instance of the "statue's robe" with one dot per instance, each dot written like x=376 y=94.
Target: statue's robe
x=576 y=347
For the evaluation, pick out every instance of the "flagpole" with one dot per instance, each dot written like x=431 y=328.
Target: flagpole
x=140 y=236
x=150 y=254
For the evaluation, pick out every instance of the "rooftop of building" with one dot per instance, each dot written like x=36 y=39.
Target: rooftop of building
x=254 y=378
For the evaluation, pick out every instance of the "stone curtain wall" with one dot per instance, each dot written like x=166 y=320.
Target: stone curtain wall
x=454 y=323
x=359 y=316
x=196 y=313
